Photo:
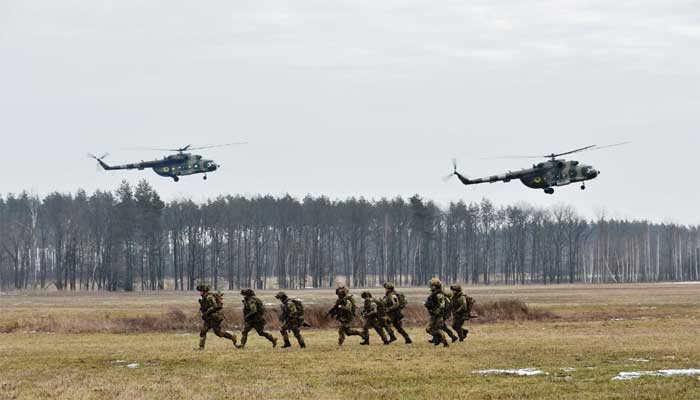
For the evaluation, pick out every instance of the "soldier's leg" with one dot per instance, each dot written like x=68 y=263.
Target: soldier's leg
x=285 y=337
x=399 y=328
x=380 y=331
x=260 y=329
x=436 y=327
x=297 y=334
x=386 y=324
x=216 y=327
x=244 y=334
x=457 y=323
x=203 y=335
x=449 y=332
x=341 y=335
x=365 y=333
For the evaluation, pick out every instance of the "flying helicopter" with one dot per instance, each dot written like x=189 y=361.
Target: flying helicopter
x=544 y=175
x=174 y=165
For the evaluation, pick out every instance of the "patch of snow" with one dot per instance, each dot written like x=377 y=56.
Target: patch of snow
x=685 y=283
x=519 y=372
x=568 y=369
x=134 y=365
x=119 y=362
x=638 y=359
x=626 y=376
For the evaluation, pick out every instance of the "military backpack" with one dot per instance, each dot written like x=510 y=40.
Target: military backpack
x=381 y=308
x=470 y=304
x=300 y=308
x=447 y=311
x=259 y=307
x=402 y=300
x=219 y=299
x=353 y=306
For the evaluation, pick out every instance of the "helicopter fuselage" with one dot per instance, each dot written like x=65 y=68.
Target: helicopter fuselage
x=172 y=166
x=556 y=173
x=545 y=175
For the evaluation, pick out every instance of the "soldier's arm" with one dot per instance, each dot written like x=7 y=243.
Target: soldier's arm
x=440 y=300
x=393 y=301
x=461 y=305
x=372 y=310
x=252 y=309
x=211 y=306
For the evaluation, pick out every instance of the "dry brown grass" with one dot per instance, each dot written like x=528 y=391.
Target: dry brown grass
x=177 y=320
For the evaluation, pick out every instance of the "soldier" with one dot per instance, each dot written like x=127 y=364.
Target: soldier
x=447 y=312
x=394 y=304
x=374 y=318
x=292 y=319
x=460 y=311
x=344 y=312
x=436 y=306
x=211 y=305
x=254 y=317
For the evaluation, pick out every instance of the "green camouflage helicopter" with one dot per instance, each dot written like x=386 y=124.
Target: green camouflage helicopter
x=172 y=166
x=545 y=175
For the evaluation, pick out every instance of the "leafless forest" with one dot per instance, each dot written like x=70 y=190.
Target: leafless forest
x=130 y=239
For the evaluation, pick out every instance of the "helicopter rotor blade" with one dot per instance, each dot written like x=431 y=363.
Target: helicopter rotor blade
x=572 y=151
x=218 y=145
x=188 y=147
x=453 y=173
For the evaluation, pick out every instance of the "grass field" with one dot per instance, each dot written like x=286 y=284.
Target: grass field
x=599 y=332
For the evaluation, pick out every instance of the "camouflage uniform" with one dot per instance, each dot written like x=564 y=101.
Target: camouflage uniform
x=446 y=315
x=393 y=311
x=342 y=312
x=436 y=305
x=212 y=317
x=291 y=320
x=253 y=317
x=373 y=319
x=460 y=311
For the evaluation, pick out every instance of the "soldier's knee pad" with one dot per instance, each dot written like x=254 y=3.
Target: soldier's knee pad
x=202 y=334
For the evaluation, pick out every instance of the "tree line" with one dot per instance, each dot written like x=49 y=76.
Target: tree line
x=130 y=239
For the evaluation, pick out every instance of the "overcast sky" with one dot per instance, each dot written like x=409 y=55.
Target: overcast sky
x=357 y=98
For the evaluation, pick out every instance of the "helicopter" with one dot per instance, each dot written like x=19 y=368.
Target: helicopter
x=544 y=175
x=174 y=165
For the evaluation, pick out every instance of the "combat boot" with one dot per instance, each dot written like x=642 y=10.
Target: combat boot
x=274 y=342
x=409 y=341
x=302 y=345
x=202 y=341
x=286 y=344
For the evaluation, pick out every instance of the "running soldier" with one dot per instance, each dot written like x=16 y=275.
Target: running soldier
x=292 y=319
x=374 y=317
x=460 y=311
x=211 y=305
x=254 y=317
x=436 y=307
x=344 y=312
x=447 y=312
x=394 y=303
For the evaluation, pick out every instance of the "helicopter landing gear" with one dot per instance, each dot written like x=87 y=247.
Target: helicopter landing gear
x=176 y=178
x=583 y=186
x=549 y=190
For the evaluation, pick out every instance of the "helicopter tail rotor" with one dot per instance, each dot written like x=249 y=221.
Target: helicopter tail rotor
x=99 y=160
x=461 y=177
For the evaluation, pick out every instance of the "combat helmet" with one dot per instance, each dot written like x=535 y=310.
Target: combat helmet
x=281 y=295
x=456 y=287
x=389 y=286
x=247 y=292
x=366 y=295
x=341 y=291
x=435 y=283
x=203 y=287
